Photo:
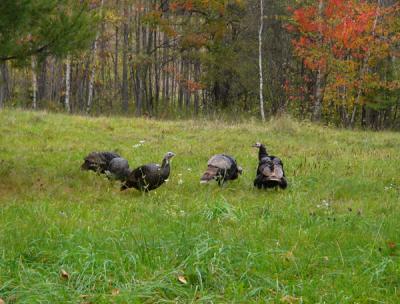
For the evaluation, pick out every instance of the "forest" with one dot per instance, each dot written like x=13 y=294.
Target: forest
x=330 y=61
x=199 y=151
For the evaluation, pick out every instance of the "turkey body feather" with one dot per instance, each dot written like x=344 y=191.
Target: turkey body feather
x=270 y=172
x=98 y=161
x=118 y=169
x=150 y=176
x=222 y=168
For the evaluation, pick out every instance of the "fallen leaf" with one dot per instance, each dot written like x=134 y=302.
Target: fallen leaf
x=115 y=292
x=2 y=301
x=64 y=274
x=182 y=279
x=289 y=299
x=83 y=296
x=288 y=256
x=391 y=245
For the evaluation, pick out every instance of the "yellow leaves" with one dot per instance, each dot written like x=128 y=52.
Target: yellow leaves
x=194 y=40
x=288 y=256
x=115 y=292
x=290 y=299
x=182 y=279
x=112 y=17
x=64 y=274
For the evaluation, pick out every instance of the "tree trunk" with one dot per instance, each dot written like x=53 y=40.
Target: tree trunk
x=319 y=85
x=34 y=83
x=260 y=32
x=116 y=76
x=124 y=89
x=4 y=84
x=138 y=74
x=42 y=80
x=93 y=71
x=364 y=68
x=156 y=73
x=67 y=84
x=180 y=89
x=196 y=93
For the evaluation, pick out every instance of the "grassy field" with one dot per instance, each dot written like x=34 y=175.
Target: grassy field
x=70 y=236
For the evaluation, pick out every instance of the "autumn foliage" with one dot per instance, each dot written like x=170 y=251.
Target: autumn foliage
x=346 y=41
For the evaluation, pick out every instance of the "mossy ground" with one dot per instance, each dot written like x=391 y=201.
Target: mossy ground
x=332 y=237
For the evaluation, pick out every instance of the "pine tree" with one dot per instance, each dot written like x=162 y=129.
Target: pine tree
x=43 y=27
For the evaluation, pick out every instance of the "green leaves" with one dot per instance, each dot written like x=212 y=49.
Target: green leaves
x=43 y=27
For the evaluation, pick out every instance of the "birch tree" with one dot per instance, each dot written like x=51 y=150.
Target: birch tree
x=34 y=83
x=67 y=84
x=260 y=32
x=93 y=70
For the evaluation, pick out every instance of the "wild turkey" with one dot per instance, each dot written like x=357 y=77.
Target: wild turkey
x=149 y=177
x=118 y=169
x=98 y=161
x=222 y=168
x=270 y=173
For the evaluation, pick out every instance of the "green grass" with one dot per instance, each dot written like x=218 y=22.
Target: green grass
x=332 y=237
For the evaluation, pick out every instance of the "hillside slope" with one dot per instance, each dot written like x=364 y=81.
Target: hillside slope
x=331 y=237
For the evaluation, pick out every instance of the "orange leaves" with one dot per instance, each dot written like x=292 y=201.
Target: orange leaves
x=194 y=40
x=181 y=5
x=190 y=85
x=343 y=28
x=305 y=18
x=344 y=39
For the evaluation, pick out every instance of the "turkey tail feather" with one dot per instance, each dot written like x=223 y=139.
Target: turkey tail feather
x=210 y=174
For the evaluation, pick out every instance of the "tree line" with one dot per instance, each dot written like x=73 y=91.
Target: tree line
x=334 y=61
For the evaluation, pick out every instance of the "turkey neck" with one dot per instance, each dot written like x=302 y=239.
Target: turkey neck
x=165 y=167
x=262 y=152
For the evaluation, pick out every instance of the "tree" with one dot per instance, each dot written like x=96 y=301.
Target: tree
x=43 y=27
x=339 y=41
x=260 y=59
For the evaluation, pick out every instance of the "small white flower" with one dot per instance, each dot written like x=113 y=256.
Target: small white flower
x=189 y=169
x=136 y=146
x=180 y=181
x=142 y=141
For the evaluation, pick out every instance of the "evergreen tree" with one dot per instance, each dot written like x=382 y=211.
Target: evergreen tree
x=43 y=27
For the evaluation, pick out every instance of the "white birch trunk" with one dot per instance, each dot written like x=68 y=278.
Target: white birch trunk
x=67 y=84
x=260 y=32
x=93 y=71
x=34 y=83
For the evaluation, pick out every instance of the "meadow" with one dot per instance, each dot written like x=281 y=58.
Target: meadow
x=70 y=236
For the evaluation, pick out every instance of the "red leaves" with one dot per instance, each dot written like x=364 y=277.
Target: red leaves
x=342 y=24
x=181 y=5
x=342 y=29
x=340 y=38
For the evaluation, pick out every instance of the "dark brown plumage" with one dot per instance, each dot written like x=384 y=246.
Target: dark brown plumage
x=98 y=161
x=150 y=176
x=118 y=169
x=222 y=168
x=270 y=173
